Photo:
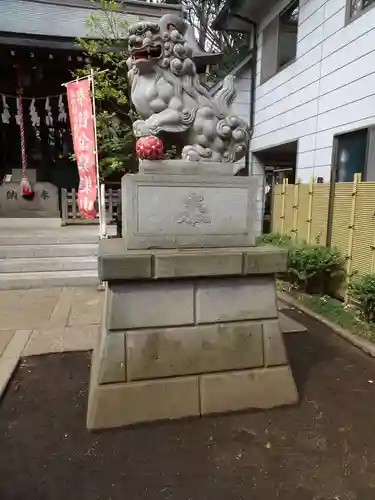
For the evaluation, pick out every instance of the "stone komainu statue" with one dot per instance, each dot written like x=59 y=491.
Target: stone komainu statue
x=169 y=98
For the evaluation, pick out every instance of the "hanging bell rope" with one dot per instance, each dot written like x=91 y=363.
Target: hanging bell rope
x=26 y=189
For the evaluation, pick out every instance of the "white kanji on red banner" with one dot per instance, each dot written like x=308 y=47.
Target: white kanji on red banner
x=86 y=185
x=83 y=163
x=84 y=143
x=82 y=126
x=83 y=118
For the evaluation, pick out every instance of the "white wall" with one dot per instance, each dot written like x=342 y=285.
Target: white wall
x=329 y=89
x=241 y=108
x=241 y=103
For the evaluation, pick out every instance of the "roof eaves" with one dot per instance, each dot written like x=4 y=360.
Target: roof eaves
x=230 y=18
x=217 y=23
x=233 y=72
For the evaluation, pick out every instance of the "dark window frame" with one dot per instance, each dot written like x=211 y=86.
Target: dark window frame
x=369 y=154
x=349 y=17
x=276 y=21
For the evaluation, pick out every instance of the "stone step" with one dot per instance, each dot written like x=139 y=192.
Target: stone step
x=48 y=238
x=48 y=250
x=13 y=281
x=44 y=264
x=61 y=236
x=23 y=222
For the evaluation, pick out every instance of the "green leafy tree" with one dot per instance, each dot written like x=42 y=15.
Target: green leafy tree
x=106 y=53
x=234 y=46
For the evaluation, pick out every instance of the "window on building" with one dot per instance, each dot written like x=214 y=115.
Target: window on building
x=279 y=46
x=356 y=7
x=288 y=28
x=351 y=155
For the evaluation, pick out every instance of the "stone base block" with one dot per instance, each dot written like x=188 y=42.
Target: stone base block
x=181 y=339
x=249 y=389
x=112 y=358
x=121 y=404
x=183 y=167
x=115 y=405
x=118 y=264
x=188 y=211
x=168 y=303
x=193 y=349
x=45 y=203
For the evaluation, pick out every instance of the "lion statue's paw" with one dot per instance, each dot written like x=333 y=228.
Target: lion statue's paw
x=141 y=128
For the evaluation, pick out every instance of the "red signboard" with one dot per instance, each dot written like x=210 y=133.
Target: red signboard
x=82 y=125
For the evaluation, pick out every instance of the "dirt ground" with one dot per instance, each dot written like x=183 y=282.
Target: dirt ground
x=323 y=449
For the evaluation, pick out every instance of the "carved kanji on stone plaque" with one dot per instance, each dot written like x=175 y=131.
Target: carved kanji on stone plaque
x=195 y=211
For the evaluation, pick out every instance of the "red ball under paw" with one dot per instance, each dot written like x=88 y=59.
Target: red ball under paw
x=150 y=148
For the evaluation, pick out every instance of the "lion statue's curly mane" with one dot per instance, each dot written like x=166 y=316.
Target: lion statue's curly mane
x=169 y=98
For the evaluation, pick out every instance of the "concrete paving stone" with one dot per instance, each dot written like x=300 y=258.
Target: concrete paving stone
x=11 y=355
x=60 y=314
x=27 y=309
x=5 y=336
x=86 y=306
x=77 y=338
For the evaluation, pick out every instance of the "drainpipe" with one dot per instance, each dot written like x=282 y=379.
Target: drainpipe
x=254 y=50
x=252 y=89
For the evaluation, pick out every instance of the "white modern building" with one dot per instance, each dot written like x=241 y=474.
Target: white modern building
x=309 y=85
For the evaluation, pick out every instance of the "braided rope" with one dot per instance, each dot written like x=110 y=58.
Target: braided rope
x=22 y=133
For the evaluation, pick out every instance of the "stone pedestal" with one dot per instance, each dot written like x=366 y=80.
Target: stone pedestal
x=188 y=211
x=45 y=203
x=190 y=324
x=187 y=332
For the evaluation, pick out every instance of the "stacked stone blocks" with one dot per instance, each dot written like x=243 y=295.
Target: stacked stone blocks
x=187 y=333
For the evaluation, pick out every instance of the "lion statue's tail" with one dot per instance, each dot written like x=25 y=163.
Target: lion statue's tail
x=231 y=129
x=225 y=96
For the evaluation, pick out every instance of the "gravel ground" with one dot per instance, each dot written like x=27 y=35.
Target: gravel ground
x=323 y=449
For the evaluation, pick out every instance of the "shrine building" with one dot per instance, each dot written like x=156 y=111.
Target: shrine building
x=39 y=52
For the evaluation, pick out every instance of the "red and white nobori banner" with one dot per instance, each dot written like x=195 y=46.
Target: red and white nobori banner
x=82 y=125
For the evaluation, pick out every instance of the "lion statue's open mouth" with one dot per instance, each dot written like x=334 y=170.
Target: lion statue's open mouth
x=146 y=53
x=168 y=96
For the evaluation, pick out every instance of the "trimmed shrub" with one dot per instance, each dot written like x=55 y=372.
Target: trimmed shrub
x=310 y=267
x=362 y=291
